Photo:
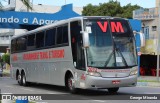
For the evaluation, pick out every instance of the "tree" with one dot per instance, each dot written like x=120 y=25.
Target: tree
x=6 y=58
x=128 y=9
x=90 y=10
x=112 y=8
x=25 y=2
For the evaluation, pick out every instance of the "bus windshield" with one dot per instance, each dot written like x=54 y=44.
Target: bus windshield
x=112 y=44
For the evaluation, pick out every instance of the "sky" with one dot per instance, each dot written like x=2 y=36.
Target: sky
x=81 y=3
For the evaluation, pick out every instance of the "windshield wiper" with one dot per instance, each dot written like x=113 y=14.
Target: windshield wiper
x=109 y=58
x=125 y=62
x=113 y=52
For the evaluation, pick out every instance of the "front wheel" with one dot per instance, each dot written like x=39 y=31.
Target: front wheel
x=71 y=84
x=113 y=90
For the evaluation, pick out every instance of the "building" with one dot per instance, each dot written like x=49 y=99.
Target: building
x=149 y=18
x=150 y=27
x=17 y=5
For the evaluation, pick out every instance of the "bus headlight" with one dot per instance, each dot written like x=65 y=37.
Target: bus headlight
x=96 y=74
x=134 y=72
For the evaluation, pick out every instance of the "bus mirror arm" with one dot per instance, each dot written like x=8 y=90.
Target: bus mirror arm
x=142 y=37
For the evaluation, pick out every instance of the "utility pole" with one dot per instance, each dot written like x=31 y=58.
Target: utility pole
x=158 y=49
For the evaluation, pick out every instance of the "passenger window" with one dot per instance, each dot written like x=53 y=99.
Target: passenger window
x=50 y=37
x=40 y=39
x=65 y=34
x=31 y=42
x=13 y=46
x=22 y=43
x=59 y=35
x=62 y=34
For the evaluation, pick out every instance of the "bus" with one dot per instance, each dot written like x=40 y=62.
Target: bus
x=88 y=52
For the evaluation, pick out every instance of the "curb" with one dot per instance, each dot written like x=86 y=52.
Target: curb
x=148 y=84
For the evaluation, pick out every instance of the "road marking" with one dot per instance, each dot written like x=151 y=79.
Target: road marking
x=93 y=100
x=56 y=93
x=6 y=93
x=51 y=93
x=9 y=86
x=27 y=89
x=151 y=93
x=147 y=86
x=5 y=78
x=99 y=101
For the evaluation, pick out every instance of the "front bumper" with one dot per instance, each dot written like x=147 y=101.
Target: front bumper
x=100 y=82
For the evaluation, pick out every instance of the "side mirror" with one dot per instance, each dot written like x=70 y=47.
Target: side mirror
x=85 y=39
x=142 y=37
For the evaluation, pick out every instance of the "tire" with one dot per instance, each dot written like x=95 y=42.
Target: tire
x=24 y=82
x=19 y=80
x=113 y=90
x=71 y=84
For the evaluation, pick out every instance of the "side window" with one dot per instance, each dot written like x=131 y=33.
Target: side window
x=17 y=45
x=40 y=39
x=65 y=34
x=50 y=37
x=13 y=46
x=21 y=43
x=77 y=44
x=62 y=34
x=31 y=42
x=59 y=35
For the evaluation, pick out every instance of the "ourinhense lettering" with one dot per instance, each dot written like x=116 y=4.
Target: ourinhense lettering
x=44 y=55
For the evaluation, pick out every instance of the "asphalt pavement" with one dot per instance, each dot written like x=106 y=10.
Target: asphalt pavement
x=58 y=94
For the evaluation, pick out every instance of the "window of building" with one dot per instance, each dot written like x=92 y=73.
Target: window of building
x=154 y=28
x=145 y=30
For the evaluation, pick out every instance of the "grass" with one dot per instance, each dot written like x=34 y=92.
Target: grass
x=6 y=72
x=148 y=81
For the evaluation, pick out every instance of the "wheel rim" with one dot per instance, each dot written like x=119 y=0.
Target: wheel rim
x=24 y=80
x=19 y=78
x=71 y=83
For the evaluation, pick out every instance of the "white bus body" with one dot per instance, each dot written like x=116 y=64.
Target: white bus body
x=55 y=54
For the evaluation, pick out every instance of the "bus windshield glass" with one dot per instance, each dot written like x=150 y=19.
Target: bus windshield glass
x=112 y=44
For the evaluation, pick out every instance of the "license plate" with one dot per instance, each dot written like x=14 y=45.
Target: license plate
x=115 y=81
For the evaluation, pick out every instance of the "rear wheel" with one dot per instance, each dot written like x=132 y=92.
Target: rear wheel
x=71 y=84
x=113 y=90
x=24 y=82
x=19 y=79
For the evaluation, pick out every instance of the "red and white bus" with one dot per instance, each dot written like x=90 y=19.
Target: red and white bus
x=81 y=52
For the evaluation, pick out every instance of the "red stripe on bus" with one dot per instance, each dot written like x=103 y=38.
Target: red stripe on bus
x=44 y=55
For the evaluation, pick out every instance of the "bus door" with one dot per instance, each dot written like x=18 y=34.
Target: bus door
x=77 y=49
